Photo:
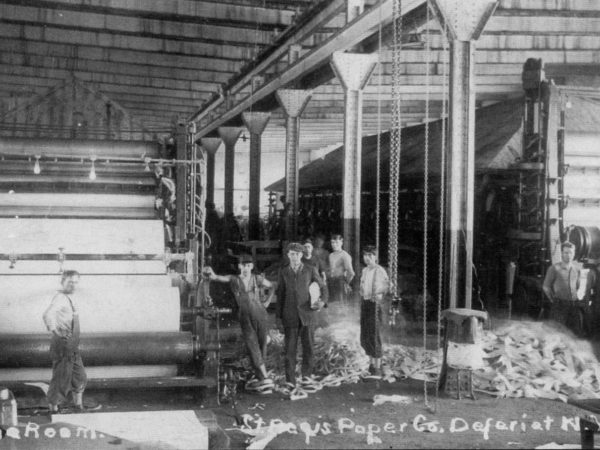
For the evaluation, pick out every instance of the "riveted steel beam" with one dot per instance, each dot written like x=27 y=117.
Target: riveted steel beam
x=354 y=33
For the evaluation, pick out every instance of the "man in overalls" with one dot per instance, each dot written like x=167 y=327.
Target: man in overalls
x=62 y=320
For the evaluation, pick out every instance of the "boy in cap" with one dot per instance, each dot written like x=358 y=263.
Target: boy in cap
x=295 y=310
x=311 y=259
x=247 y=289
x=374 y=284
x=341 y=272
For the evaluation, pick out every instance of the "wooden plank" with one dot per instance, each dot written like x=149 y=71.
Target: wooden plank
x=81 y=236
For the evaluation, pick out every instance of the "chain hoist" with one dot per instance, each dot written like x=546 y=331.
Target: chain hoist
x=426 y=192
x=378 y=161
x=395 y=148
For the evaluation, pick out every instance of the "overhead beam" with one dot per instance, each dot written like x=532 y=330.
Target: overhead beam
x=348 y=37
x=297 y=36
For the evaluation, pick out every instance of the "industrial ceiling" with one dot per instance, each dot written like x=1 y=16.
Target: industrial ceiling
x=207 y=61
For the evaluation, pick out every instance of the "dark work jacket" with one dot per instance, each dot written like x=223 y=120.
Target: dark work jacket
x=293 y=298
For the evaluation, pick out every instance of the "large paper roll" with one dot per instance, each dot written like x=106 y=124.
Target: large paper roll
x=77 y=236
x=106 y=303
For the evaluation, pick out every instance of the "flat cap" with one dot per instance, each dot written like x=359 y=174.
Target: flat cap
x=295 y=247
x=245 y=259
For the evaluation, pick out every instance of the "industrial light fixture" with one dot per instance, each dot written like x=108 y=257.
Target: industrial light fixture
x=93 y=169
x=36 y=166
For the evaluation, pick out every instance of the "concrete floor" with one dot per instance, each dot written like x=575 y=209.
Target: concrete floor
x=345 y=417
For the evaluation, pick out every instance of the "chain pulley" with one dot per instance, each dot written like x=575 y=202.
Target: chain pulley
x=426 y=192
x=378 y=160
x=395 y=151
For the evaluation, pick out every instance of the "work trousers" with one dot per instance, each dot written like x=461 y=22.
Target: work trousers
x=574 y=315
x=255 y=330
x=370 y=326
x=338 y=289
x=306 y=334
x=68 y=373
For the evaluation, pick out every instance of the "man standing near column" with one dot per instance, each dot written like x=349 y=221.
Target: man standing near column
x=341 y=271
x=62 y=320
x=294 y=310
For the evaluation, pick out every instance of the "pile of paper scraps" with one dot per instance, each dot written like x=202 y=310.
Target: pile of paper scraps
x=521 y=359
x=537 y=360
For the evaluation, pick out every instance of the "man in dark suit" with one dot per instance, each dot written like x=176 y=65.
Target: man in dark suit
x=295 y=311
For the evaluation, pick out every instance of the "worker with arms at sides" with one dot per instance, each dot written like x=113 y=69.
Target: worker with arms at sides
x=561 y=286
x=296 y=311
x=374 y=284
x=62 y=320
x=341 y=272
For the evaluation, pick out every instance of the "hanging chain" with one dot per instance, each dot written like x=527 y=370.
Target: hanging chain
x=426 y=191
x=445 y=57
x=378 y=162
x=395 y=147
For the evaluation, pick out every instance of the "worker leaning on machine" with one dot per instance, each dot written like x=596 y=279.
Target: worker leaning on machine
x=248 y=290
x=62 y=320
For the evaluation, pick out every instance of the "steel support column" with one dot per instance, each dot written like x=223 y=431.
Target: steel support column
x=464 y=22
x=256 y=123
x=210 y=145
x=181 y=211
x=229 y=135
x=353 y=71
x=293 y=102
